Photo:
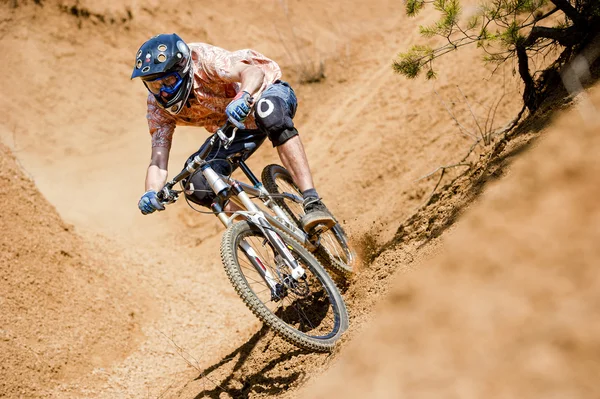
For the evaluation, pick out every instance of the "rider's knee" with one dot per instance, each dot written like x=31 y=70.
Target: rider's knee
x=196 y=187
x=273 y=117
x=198 y=191
x=283 y=136
x=198 y=194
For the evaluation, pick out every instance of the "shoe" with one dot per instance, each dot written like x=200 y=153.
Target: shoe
x=316 y=214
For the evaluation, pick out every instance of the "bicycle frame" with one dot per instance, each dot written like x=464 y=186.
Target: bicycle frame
x=227 y=188
x=281 y=222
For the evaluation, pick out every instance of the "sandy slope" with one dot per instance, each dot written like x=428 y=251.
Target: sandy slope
x=62 y=305
x=510 y=308
x=76 y=124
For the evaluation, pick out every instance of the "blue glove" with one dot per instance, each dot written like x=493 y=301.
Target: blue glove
x=150 y=203
x=237 y=111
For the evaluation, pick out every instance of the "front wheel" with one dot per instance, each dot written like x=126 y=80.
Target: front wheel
x=333 y=244
x=308 y=312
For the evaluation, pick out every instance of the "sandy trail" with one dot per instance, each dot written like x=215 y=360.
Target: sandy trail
x=77 y=126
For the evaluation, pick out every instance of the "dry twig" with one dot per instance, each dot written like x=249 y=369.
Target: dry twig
x=185 y=354
x=486 y=136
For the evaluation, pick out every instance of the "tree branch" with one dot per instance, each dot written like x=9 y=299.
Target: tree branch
x=536 y=20
x=566 y=37
x=569 y=11
x=529 y=93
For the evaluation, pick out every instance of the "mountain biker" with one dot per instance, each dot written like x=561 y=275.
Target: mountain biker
x=198 y=84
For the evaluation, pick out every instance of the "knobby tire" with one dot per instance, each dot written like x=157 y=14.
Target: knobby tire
x=229 y=254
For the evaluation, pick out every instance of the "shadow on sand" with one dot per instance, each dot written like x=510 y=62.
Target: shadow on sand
x=253 y=361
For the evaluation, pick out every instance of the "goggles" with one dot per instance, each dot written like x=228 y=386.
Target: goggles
x=165 y=86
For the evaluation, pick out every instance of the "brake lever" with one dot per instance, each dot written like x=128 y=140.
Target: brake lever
x=224 y=139
x=167 y=195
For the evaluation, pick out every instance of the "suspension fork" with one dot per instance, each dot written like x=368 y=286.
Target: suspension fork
x=250 y=253
x=258 y=219
x=259 y=265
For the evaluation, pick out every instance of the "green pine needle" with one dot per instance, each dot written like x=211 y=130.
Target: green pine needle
x=413 y=7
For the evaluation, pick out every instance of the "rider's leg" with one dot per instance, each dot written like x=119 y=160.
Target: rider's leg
x=232 y=207
x=274 y=114
x=293 y=157
x=197 y=189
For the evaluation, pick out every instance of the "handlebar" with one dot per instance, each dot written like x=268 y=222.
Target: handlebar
x=167 y=195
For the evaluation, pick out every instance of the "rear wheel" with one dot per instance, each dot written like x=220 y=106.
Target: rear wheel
x=308 y=312
x=333 y=244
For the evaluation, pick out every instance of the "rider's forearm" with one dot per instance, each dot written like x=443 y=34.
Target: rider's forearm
x=252 y=80
x=156 y=176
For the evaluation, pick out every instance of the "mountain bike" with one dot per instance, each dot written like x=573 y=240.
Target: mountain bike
x=331 y=246
x=267 y=257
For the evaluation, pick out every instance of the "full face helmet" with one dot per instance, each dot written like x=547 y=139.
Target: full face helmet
x=164 y=63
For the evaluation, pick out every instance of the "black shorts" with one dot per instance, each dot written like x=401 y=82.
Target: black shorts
x=246 y=142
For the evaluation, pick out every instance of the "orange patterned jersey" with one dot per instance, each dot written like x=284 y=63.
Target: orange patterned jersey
x=213 y=90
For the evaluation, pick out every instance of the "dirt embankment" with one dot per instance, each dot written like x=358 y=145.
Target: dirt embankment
x=77 y=125
x=62 y=311
x=510 y=307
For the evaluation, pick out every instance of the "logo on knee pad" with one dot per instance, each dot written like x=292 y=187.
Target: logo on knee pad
x=262 y=104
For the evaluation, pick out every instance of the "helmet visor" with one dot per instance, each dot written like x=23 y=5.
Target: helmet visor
x=165 y=86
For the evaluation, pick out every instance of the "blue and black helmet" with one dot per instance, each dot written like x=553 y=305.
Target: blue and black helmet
x=164 y=63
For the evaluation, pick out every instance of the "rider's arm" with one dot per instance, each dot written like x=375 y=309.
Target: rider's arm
x=250 y=77
x=156 y=176
x=162 y=127
x=253 y=70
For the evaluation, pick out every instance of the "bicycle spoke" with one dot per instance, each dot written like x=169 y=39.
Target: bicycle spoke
x=333 y=247
x=300 y=311
x=311 y=313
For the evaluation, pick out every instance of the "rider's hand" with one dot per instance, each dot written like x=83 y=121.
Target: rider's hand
x=150 y=203
x=237 y=111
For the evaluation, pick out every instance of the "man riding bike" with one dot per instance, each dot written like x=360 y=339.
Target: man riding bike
x=198 y=84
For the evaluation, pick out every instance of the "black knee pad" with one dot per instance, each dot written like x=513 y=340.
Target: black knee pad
x=274 y=117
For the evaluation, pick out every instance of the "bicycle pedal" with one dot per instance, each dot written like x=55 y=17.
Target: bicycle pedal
x=318 y=230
